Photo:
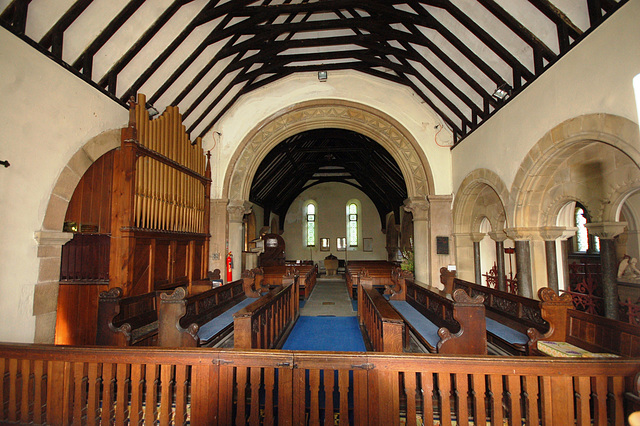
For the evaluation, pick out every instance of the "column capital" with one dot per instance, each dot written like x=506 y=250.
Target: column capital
x=237 y=209
x=498 y=236
x=52 y=238
x=606 y=230
x=418 y=206
x=552 y=233
x=522 y=234
x=476 y=237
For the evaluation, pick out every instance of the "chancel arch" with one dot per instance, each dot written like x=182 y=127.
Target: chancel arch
x=336 y=114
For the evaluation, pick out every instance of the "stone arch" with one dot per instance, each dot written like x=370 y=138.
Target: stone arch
x=51 y=238
x=328 y=114
x=549 y=176
x=482 y=194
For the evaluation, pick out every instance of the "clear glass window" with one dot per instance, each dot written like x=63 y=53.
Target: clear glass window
x=352 y=226
x=311 y=225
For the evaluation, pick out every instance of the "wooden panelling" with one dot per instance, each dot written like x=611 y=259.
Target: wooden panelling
x=90 y=205
x=76 y=326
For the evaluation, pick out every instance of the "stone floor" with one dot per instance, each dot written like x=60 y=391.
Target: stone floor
x=329 y=298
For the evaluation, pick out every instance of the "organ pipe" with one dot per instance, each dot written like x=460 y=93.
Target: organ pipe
x=170 y=175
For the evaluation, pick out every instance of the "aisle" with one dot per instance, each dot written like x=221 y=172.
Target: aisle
x=327 y=321
x=329 y=298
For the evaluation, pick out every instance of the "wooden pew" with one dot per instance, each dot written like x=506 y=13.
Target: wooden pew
x=127 y=321
x=204 y=318
x=265 y=323
x=441 y=323
x=308 y=273
x=587 y=331
x=273 y=275
x=384 y=326
x=508 y=316
x=379 y=271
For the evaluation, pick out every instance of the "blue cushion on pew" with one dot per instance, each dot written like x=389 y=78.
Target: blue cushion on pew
x=213 y=327
x=422 y=324
x=506 y=333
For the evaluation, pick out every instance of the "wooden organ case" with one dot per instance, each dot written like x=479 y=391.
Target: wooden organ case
x=158 y=234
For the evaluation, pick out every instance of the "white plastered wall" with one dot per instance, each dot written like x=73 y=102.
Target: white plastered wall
x=394 y=100
x=596 y=77
x=331 y=200
x=46 y=115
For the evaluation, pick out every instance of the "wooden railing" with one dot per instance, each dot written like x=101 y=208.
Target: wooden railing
x=264 y=323
x=92 y=385
x=384 y=326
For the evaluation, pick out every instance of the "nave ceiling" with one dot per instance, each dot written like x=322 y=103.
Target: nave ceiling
x=203 y=56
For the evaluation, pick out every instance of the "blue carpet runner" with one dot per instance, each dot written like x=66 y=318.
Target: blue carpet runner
x=340 y=334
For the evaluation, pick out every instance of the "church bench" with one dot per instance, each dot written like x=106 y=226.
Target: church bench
x=508 y=316
x=593 y=333
x=204 y=318
x=383 y=325
x=127 y=321
x=379 y=271
x=442 y=323
x=266 y=322
x=308 y=274
x=272 y=275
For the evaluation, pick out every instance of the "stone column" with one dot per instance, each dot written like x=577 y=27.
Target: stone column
x=550 y=234
x=45 y=293
x=419 y=208
x=522 y=238
x=237 y=209
x=607 y=231
x=499 y=237
x=476 y=237
x=440 y=225
x=218 y=227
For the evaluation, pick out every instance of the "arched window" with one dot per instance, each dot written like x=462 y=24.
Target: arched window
x=585 y=243
x=352 y=224
x=310 y=217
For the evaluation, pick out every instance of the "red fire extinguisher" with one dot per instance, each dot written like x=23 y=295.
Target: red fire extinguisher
x=229 y=267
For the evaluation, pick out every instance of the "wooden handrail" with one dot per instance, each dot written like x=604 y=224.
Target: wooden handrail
x=47 y=384
x=383 y=324
x=264 y=323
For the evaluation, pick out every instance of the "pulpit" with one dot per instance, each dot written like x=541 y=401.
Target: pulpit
x=331 y=264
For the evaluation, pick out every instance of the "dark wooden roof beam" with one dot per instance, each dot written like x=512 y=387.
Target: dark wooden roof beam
x=478 y=32
x=15 y=16
x=86 y=57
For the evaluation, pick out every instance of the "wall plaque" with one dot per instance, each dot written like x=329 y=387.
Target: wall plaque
x=442 y=245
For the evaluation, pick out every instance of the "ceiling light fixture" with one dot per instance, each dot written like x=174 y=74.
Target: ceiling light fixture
x=322 y=75
x=502 y=92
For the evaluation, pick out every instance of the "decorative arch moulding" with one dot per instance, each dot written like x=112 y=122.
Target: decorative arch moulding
x=325 y=114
